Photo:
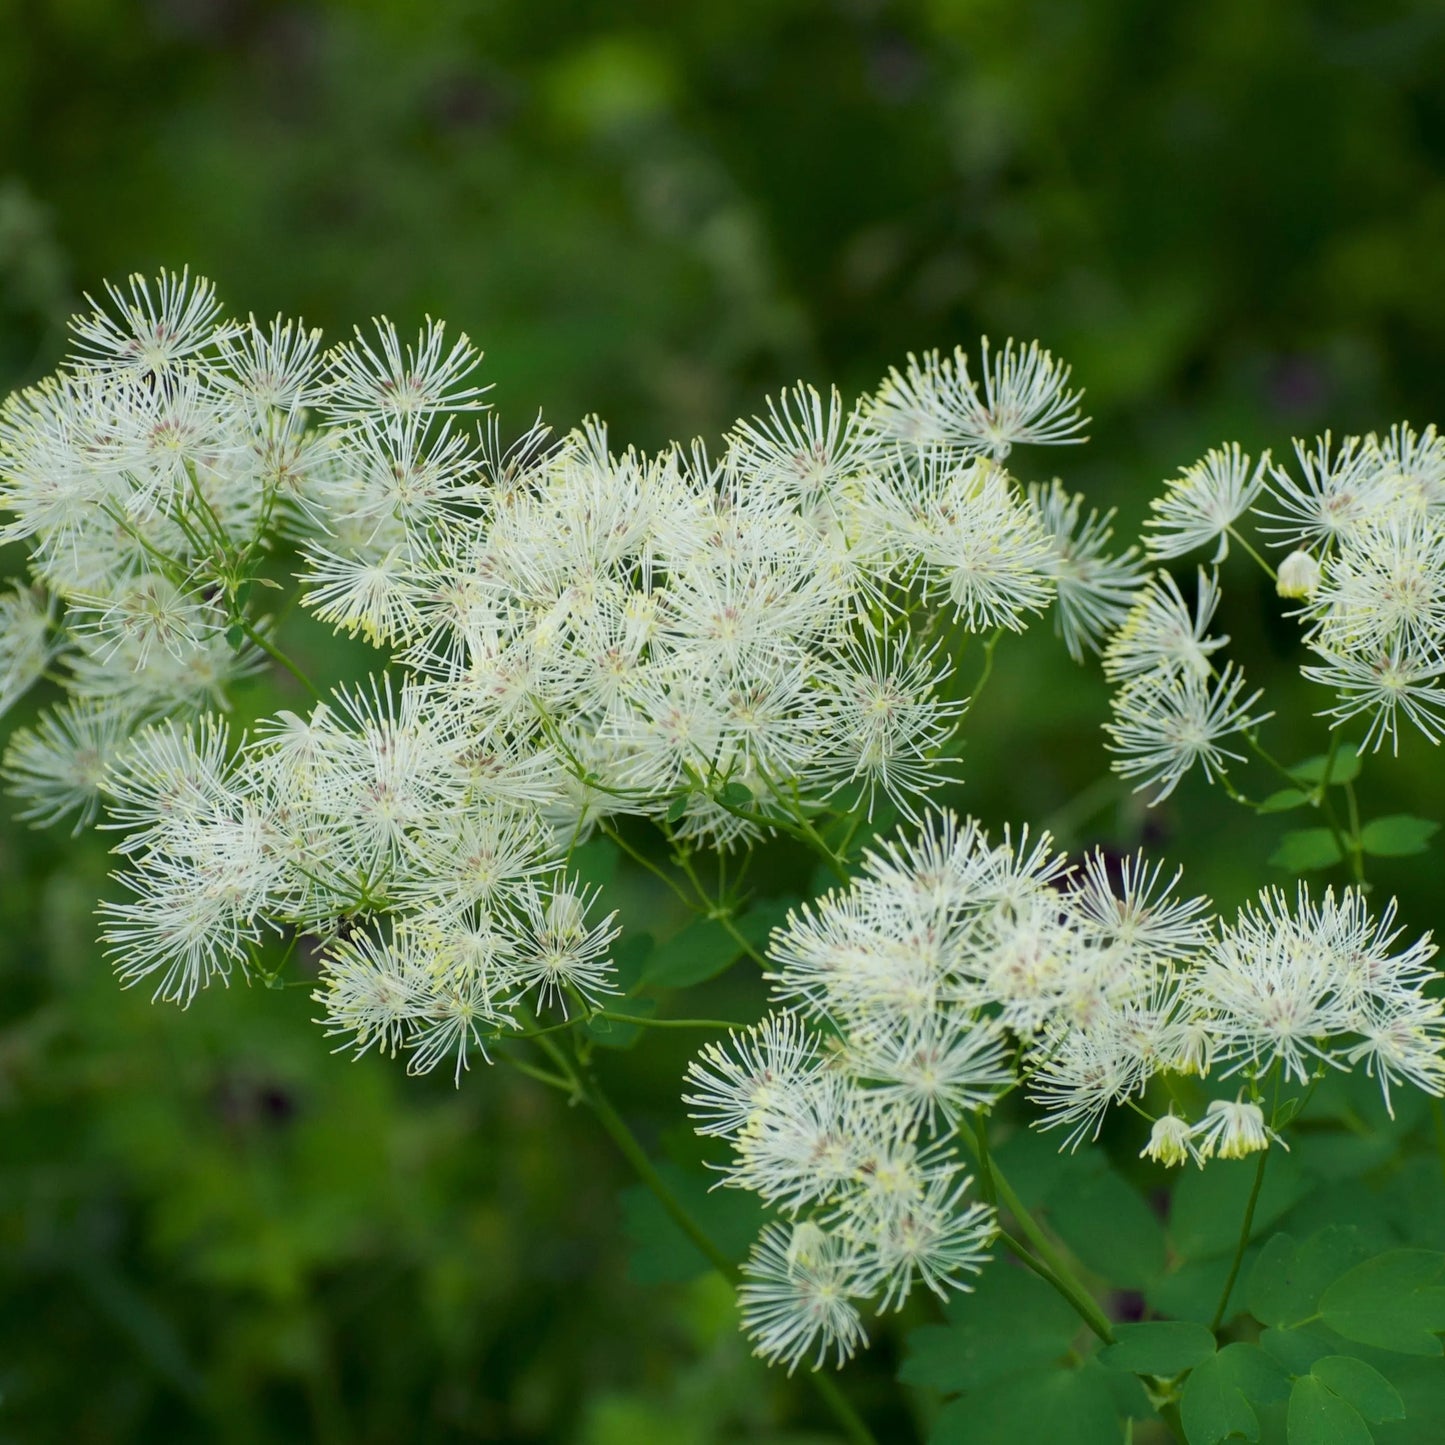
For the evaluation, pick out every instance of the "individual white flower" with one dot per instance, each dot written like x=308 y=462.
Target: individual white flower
x=1231 y=1129
x=802 y=450
x=885 y=721
x=733 y=1083
x=1163 y=635
x=145 y=612
x=1385 y=588
x=1163 y=725
x=1383 y=685
x=1402 y=1040
x=367 y=593
x=1412 y=465
x=965 y=530
x=1203 y=502
x=560 y=953
x=1081 y=1073
x=369 y=987
x=1171 y=1142
x=476 y=858
x=1092 y=590
x=152 y=330
x=62 y=764
x=197 y=907
x=392 y=378
x=808 y=1143
x=1025 y=398
x=1130 y=902
x=169 y=780
x=799 y=1284
x=909 y=1220
x=275 y=369
x=1341 y=489
x=938 y=1069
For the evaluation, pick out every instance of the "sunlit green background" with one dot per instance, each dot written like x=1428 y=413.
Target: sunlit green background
x=1230 y=217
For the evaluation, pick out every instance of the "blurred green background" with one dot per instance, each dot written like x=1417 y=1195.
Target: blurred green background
x=1231 y=219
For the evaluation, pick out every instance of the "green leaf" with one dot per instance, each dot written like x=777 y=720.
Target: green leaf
x=1297 y=1350
x=1346 y=767
x=1037 y=1168
x=1284 y=800
x=1160 y=1347
x=1397 y=836
x=1319 y=1417
x=1191 y=1289
x=1362 y=1385
x=661 y=1252
x=704 y=948
x=1073 y=1405
x=1011 y=1321
x=734 y=795
x=677 y=808
x=1287 y=1280
x=1209 y=1203
x=235 y=636
x=1421 y=1384
x=1306 y=848
x=1257 y=1377
x=1213 y=1407
x=629 y=957
x=1395 y=1301
x=1110 y=1228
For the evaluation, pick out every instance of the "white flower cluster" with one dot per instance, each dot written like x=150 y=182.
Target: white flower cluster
x=956 y=967
x=1364 y=525
x=571 y=635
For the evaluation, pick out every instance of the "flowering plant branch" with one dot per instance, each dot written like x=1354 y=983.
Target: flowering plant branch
x=680 y=657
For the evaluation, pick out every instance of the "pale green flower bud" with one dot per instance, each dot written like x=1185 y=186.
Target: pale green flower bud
x=1299 y=576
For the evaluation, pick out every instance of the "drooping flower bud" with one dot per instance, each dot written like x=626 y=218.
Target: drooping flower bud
x=1299 y=576
x=1170 y=1142
x=1231 y=1129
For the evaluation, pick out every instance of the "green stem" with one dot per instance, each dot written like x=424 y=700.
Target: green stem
x=1060 y=1275
x=1356 y=846
x=554 y=1081
x=990 y=642
x=649 y=1023
x=275 y=653
x=590 y=1091
x=711 y=908
x=1245 y=1228
x=1244 y=542
x=643 y=861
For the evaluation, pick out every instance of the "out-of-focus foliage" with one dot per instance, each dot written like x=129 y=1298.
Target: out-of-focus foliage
x=1231 y=220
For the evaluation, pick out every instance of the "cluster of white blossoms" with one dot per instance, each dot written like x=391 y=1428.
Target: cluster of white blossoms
x=956 y=967
x=1363 y=525
x=720 y=644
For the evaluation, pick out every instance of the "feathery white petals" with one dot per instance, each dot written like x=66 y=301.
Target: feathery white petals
x=1203 y=502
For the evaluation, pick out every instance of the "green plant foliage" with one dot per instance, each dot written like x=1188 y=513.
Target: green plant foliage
x=1161 y=1347
x=1398 y=836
